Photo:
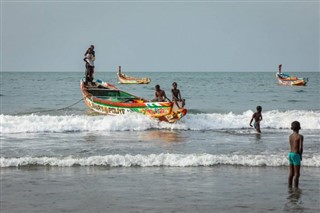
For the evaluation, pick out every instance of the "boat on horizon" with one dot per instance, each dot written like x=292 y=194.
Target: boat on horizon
x=287 y=80
x=105 y=98
x=125 y=79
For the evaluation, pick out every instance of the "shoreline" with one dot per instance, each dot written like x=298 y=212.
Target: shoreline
x=156 y=189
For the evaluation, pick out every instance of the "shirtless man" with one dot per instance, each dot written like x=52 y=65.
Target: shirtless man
x=159 y=95
x=295 y=154
x=176 y=96
x=257 y=117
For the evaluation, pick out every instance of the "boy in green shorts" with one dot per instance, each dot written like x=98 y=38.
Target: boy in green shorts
x=295 y=154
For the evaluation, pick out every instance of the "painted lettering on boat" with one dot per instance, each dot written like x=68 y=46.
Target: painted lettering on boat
x=116 y=111
x=105 y=109
x=99 y=108
x=119 y=111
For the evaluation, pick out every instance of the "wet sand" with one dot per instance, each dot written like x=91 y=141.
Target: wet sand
x=157 y=189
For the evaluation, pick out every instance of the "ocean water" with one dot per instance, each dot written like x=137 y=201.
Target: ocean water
x=57 y=156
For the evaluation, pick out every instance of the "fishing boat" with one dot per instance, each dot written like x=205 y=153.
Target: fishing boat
x=105 y=98
x=285 y=79
x=125 y=79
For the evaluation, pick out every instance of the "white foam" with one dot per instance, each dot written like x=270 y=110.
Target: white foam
x=74 y=123
x=157 y=160
x=271 y=119
x=136 y=122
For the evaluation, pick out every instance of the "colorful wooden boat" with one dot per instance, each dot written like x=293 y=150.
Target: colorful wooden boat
x=105 y=98
x=285 y=79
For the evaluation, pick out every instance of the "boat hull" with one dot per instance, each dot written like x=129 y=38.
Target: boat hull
x=112 y=101
x=291 y=81
x=124 y=79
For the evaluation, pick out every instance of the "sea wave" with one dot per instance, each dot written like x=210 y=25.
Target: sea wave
x=136 y=122
x=158 y=160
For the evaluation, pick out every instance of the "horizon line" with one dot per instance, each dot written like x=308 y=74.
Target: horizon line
x=273 y=71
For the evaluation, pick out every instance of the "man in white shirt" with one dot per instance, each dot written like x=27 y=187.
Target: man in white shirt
x=89 y=59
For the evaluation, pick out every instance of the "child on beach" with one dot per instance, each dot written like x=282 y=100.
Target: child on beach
x=176 y=96
x=257 y=116
x=295 y=154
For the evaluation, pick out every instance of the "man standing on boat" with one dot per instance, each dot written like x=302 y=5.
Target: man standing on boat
x=119 y=71
x=280 y=66
x=89 y=59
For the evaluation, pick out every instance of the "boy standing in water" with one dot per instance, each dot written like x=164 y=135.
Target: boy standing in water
x=295 y=154
x=257 y=116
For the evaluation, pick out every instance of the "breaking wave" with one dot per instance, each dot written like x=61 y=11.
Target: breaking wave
x=135 y=122
x=158 y=160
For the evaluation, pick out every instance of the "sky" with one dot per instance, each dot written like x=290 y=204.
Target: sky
x=160 y=35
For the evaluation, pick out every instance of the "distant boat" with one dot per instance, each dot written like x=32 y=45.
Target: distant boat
x=105 y=98
x=125 y=79
x=285 y=79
